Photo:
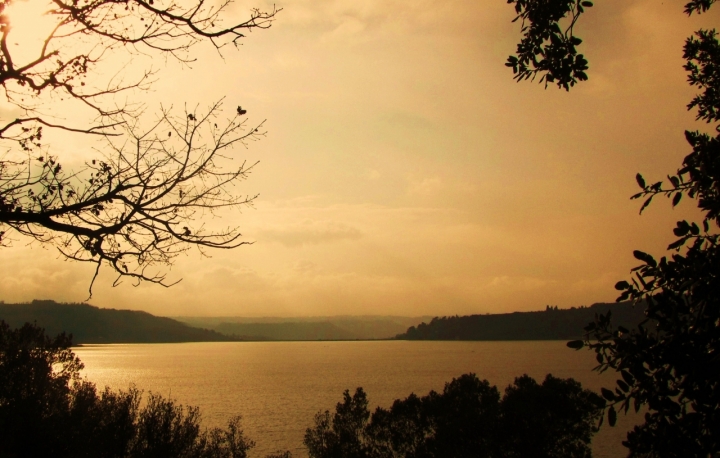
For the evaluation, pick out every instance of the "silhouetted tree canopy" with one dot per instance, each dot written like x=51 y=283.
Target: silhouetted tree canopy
x=671 y=362
x=47 y=410
x=468 y=419
x=142 y=200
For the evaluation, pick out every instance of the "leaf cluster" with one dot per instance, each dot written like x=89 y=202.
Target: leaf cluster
x=548 y=46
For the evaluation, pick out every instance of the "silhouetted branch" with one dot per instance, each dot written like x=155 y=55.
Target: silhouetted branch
x=140 y=205
x=146 y=197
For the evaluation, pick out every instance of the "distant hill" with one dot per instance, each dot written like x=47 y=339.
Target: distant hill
x=551 y=324
x=307 y=328
x=90 y=324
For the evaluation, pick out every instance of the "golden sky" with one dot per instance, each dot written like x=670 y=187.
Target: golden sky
x=406 y=173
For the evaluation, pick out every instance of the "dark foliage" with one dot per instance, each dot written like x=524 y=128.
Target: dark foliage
x=553 y=419
x=548 y=46
x=47 y=410
x=670 y=363
x=468 y=419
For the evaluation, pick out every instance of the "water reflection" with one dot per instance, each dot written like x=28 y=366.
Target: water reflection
x=278 y=386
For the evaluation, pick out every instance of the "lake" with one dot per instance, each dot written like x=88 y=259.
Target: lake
x=278 y=387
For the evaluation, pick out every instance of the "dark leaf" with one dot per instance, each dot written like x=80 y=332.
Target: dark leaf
x=612 y=416
x=627 y=377
x=676 y=199
x=640 y=180
x=621 y=285
x=677 y=243
x=623 y=386
x=646 y=203
x=646 y=258
x=607 y=394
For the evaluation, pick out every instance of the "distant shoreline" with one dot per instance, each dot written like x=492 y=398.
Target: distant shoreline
x=91 y=325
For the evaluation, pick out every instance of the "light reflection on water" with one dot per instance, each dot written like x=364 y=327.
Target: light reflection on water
x=277 y=387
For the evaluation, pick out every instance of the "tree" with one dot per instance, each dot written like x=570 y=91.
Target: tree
x=344 y=433
x=47 y=410
x=671 y=362
x=142 y=200
x=35 y=377
x=555 y=418
x=468 y=419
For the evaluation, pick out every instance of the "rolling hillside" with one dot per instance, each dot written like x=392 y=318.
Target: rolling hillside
x=90 y=324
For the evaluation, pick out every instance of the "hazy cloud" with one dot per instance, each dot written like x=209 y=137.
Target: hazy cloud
x=424 y=186
x=310 y=233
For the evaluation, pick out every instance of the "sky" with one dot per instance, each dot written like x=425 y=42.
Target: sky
x=405 y=172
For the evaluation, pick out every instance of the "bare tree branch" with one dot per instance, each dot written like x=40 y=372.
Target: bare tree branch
x=152 y=190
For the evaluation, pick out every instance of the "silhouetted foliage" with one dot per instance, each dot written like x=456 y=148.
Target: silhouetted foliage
x=139 y=203
x=672 y=363
x=47 y=410
x=548 y=44
x=551 y=324
x=468 y=419
x=553 y=419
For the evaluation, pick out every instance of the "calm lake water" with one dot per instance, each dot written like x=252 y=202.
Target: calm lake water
x=278 y=387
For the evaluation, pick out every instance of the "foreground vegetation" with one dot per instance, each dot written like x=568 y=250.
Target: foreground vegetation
x=46 y=409
x=468 y=419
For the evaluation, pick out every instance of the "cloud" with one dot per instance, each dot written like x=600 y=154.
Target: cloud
x=372 y=175
x=424 y=187
x=523 y=283
x=304 y=267
x=310 y=233
x=28 y=273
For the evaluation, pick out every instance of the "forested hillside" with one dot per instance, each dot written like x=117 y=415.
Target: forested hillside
x=90 y=324
x=551 y=324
